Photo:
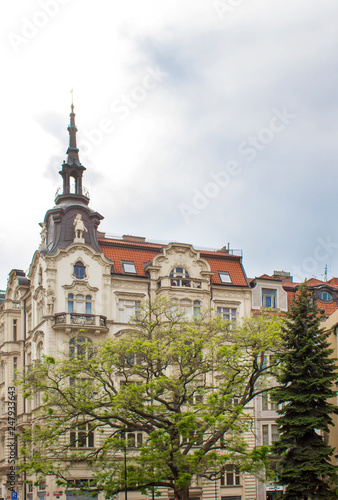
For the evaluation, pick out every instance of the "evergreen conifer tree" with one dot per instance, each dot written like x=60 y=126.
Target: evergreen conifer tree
x=306 y=380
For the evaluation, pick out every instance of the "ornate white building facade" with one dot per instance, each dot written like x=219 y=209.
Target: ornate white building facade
x=81 y=278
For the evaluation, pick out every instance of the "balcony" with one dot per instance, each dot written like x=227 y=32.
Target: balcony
x=73 y=321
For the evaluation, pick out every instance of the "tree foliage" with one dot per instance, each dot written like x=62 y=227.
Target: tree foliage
x=184 y=385
x=306 y=384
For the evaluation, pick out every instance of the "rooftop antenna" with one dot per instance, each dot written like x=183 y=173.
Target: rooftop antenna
x=325 y=273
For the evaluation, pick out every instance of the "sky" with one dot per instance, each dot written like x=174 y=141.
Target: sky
x=201 y=121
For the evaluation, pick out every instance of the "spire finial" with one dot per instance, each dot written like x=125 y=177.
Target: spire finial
x=72 y=104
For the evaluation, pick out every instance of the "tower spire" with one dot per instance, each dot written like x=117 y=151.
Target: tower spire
x=73 y=150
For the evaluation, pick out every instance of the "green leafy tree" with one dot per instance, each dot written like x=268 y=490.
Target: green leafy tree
x=306 y=384
x=161 y=404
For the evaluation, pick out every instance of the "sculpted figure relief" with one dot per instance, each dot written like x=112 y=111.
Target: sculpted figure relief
x=43 y=234
x=79 y=228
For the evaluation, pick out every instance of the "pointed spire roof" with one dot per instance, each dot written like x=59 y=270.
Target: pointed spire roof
x=73 y=150
x=72 y=171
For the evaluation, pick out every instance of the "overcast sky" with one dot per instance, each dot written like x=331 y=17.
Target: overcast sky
x=200 y=121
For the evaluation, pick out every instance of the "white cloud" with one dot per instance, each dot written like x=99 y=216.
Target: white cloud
x=225 y=77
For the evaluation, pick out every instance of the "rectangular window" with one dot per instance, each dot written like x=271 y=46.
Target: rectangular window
x=230 y=476
x=224 y=277
x=15 y=367
x=269 y=298
x=238 y=497
x=267 y=403
x=128 y=309
x=227 y=313
x=42 y=485
x=133 y=439
x=269 y=433
x=37 y=399
x=129 y=267
x=15 y=330
x=82 y=437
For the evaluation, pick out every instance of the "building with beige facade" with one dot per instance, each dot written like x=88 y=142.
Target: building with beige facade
x=81 y=278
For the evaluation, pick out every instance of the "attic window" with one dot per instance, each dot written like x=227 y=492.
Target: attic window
x=325 y=296
x=128 y=267
x=224 y=277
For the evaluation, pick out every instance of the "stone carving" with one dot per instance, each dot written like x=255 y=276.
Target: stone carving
x=43 y=234
x=50 y=300
x=79 y=229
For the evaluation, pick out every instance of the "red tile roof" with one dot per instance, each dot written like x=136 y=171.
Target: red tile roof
x=143 y=252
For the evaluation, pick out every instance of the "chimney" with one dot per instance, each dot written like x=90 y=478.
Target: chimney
x=134 y=239
x=283 y=275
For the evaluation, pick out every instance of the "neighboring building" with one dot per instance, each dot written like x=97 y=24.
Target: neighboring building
x=276 y=293
x=79 y=277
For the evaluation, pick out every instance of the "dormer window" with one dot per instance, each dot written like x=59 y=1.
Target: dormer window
x=224 y=277
x=79 y=270
x=179 y=277
x=325 y=296
x=269 y=297
x=129 y=267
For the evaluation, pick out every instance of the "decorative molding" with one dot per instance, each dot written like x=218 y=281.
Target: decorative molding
x=129 y=294
x=80 y=286
x=38 y=335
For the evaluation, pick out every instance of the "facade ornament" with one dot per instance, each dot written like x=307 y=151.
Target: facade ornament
x=50 y=300
x=43 y=234
x=79 y=229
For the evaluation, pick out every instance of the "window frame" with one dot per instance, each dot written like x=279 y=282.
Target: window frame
x=15 y=330
x=80 y=347
x=321 y=298
x=179 y=276
x=79 y=303
x=269 y=293
x=269 y=434
x=79 y=265
x=125 y=264
x=230 y=316
x=233 y=472
x=125 y=306
x=82 y=436
x=226 y=275
x=133 y=439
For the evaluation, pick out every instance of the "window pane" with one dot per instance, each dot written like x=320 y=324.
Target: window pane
x=224 y=277
x=274 y=433
x=269 y=297
x=265 y=434
x=79 y=270
x=264 y=401
x=230 y=479
x=129 y=267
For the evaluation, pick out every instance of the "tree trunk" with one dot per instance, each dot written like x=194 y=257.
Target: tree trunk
x=182 y=493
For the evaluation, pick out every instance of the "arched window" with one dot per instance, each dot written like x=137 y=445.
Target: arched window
x=179 y=277
x=79 y=270
x=79 y=304
x=80 y=347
